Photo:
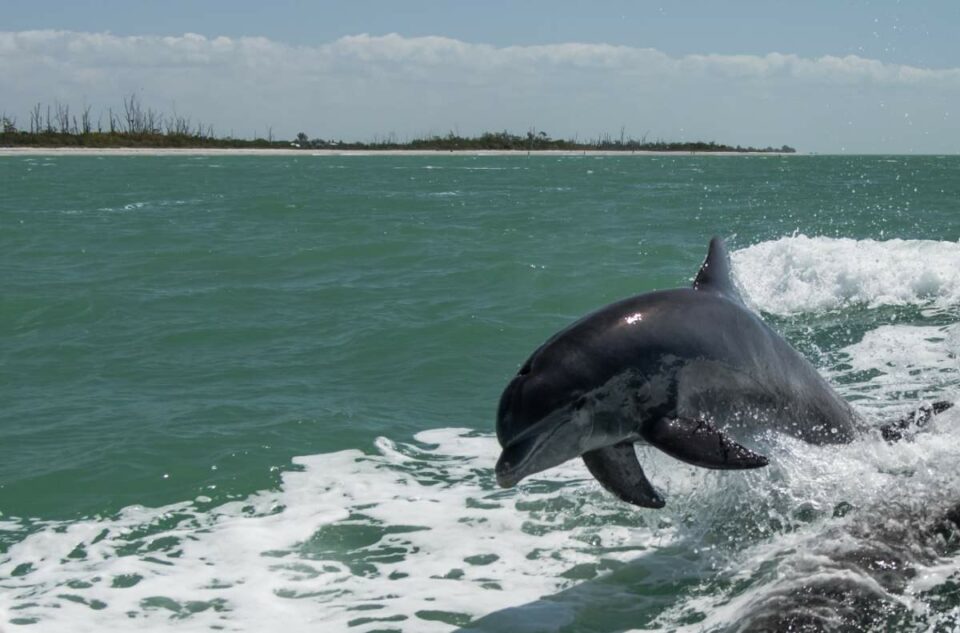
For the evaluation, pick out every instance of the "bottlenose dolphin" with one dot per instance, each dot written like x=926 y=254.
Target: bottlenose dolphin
x=691 y=371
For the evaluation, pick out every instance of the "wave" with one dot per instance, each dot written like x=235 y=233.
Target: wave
x=894 y=366
x=415 y=535
x=812 y=274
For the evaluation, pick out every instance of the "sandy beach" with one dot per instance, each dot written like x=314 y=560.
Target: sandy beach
x=176 y=151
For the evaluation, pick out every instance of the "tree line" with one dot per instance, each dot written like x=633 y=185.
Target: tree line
x=533 y=141
x=131 y=125
x=136 y=125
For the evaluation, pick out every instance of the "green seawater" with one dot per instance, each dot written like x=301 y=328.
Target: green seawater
x=182 y=326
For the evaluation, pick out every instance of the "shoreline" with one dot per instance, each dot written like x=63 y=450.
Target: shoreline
x=183 y=151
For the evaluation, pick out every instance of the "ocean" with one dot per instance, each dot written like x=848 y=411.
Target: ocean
x=258 y=393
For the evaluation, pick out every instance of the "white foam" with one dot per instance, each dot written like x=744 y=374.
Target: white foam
x=416 y=532
x=895 y=366
x=416 y=536
x=410 y=529
x=894 y=491
x=809 y=274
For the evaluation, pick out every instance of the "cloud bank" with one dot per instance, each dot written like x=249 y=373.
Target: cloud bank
x=363 y=86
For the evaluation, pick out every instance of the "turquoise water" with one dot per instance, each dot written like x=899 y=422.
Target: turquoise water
x=188 y=343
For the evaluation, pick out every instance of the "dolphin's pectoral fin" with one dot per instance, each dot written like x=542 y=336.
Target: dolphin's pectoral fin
x=700 y=443
x=618 y=470
x=897 y=430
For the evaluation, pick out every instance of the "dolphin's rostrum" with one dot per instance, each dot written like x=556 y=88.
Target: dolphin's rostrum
x=691 y=371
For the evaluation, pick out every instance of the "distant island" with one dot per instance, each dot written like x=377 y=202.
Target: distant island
x=136 y=126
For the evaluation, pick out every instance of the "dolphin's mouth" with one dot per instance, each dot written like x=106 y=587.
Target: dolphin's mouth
x=520 y=458
x=513 y=464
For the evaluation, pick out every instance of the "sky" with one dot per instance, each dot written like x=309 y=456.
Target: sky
x=839 y=76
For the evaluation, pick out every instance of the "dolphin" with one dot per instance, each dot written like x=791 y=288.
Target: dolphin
x=691 y=371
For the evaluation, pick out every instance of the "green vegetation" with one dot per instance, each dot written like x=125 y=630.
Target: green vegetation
x=532 y=142
x=136 y=126
x=132 y=126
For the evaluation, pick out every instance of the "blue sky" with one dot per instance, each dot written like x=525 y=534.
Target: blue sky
x=891 y=89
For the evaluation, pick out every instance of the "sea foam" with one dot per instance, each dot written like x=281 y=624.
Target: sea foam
x=415 y=536
x=811 y=274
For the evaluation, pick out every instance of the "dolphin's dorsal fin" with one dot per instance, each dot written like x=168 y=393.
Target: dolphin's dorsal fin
x=714 y=275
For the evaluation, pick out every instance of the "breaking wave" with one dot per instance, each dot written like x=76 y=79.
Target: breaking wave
x=812 y=274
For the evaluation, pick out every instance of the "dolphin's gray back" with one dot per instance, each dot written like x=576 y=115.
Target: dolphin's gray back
x=714 y=357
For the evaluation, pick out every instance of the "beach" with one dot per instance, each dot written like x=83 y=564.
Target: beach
x=176 y=151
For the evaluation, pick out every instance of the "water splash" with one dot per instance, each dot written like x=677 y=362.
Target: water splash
x=812 y=274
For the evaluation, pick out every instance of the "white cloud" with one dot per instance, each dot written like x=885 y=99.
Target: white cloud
x=363 y=85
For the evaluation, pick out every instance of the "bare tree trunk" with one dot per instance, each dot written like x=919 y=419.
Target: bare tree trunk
x=35 y=119
x=85 y=118
x=62 y=117
x=133 y=111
